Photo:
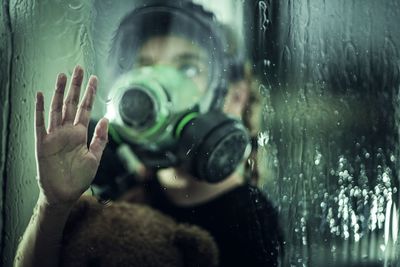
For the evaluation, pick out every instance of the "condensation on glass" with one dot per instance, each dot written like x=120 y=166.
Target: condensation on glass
x=331 y=81
x=39 y=40
x=330 y=75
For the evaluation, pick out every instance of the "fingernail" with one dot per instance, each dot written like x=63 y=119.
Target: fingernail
x=39 y=98
x=93 y=81
x=78 y=70
x=61 y=77
x=106 y=122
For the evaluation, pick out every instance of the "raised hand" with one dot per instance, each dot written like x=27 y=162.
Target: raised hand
x=66 y=166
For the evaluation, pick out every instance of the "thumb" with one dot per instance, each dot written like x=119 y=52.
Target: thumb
x=99 y=139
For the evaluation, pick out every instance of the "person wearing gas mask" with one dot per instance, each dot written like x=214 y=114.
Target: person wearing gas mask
x=177 y=94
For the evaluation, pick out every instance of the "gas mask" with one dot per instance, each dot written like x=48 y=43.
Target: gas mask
x=160 y=111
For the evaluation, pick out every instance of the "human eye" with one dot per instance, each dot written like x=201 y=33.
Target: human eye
x=190 y=70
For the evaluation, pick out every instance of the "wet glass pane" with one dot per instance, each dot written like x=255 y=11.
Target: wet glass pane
x=325 y=78
x=331 y=80
x=43 y=39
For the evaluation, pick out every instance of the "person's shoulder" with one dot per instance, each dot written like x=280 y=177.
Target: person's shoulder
x=249 y=201
x=254 y=195
x=259 y=218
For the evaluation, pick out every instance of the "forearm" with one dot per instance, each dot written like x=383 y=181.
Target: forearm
x=40 y=244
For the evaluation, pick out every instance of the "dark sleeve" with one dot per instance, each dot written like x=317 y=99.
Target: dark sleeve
x=253 y=236
x=267 y=232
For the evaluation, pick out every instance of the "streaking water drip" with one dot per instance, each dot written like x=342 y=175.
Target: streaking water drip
x=331 y=139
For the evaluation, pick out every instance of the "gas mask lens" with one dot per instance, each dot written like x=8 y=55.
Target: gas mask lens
x=175 y=37
x=170 y=70
x=177 y=52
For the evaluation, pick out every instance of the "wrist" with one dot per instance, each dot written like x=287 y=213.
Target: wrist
x=61 y=207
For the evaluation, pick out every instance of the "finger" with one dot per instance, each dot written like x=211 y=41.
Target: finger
x=83 y=114
x=100 y=138
x=72 y=99
x=39 y=117
x=55 y=115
